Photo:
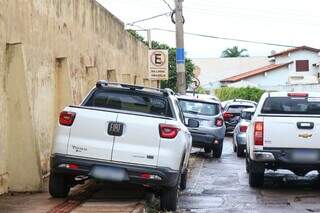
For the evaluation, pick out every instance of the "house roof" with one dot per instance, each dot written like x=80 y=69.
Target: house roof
x=295 y=49
x=254 y=72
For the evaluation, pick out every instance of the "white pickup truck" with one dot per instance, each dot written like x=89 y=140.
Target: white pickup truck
x=123 y=133
x=284 y=134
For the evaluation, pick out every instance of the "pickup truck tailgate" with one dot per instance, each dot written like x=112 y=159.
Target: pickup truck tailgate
x=292 y=132
x=140 y=140
x=89 y=134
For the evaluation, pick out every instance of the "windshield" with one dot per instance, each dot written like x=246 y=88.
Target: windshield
x=200 y=108
x=291 y=105
x=129 y=101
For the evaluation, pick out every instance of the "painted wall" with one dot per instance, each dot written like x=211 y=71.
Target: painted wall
x=300 y=55
x=51 y=54
x=275 y=77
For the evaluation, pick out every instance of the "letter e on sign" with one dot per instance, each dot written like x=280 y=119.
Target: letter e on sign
x=158 y=64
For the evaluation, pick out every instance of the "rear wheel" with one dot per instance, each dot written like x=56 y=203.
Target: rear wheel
x=240 y=151
x=58 y=185
x=168 y=198
x=256 y=174
x=183 y=180
x=207 y=150
x=217 y=150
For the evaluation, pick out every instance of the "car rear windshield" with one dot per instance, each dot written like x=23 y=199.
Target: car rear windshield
x=201 y=108
x=291 y=105
x=130 y=101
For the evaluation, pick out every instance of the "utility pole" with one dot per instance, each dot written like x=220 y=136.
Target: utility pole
x=181 y=70
x=149 y=38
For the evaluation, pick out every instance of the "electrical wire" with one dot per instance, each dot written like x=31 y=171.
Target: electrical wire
x=147 y=19
x=164 y=1
x=226 y=38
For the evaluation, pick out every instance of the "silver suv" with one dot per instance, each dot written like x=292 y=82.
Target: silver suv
x=211 y=131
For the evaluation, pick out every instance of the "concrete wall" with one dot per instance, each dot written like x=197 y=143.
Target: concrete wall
x=51 y=54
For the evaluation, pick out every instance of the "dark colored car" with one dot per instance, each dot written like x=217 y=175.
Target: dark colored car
x=232 y=111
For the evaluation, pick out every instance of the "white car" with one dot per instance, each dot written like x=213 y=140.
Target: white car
x=284 y=134
x=123 y=133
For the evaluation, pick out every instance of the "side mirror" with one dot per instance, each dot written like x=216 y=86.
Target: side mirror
x=193 y=123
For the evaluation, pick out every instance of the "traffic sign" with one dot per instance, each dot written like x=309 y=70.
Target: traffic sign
x=158 y=64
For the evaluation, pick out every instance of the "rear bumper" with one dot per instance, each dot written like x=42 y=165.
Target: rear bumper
x=282 y=158
x=241 y=139
x=160 y=176
x=202 y=140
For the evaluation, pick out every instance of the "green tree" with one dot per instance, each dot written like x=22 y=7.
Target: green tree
x=172 y=80
x=234 y=52
x=247 y=93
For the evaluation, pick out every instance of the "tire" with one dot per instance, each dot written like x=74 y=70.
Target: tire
x=247 y=164
x=169 y=198
x=217 y=150
x=183 y=180
x=256 y=174
x=58 y=186
x=240 y=151
x=207 y=150
x=234 y=148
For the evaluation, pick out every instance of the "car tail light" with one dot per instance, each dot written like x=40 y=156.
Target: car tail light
x=219 y=122
x=168 y=131
x=243 y=128
x=227 y=115
x=258 y=133
x=297 y=94
x=67 y=118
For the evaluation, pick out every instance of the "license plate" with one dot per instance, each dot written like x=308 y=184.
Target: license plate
x=305 y=156
x=107 y=173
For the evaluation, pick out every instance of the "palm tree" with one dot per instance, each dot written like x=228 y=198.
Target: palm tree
x=234 y=52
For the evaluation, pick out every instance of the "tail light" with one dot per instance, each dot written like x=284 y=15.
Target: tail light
x=258 y=133
x=227 y=115
x=67 y=118
x=168 y=131
x=219 y=122
x=243 y=128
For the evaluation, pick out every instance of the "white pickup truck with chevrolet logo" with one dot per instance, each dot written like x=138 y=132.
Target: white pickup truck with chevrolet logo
x=123 y=133
x=284 y=134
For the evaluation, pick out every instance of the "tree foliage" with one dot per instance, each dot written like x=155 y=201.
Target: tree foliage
x=234 y=52
x=247 y=93
x=172 y=81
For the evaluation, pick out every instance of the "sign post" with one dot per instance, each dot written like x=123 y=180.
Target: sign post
x=158 y=65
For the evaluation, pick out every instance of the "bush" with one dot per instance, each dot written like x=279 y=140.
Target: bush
x=247 y=93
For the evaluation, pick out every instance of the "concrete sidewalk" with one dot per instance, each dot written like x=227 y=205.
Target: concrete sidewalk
x=90 y=197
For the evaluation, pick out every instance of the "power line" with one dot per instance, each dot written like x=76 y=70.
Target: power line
x=226 y=38
x=147 y=19
x=168 y=5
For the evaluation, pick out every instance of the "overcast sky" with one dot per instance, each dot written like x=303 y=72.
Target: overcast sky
x=289 y=22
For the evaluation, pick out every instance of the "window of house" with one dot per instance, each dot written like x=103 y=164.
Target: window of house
x=302 y=65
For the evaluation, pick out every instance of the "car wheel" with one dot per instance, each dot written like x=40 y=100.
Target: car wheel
x=183 y=180
x=207 y=150
x=247 y=164
x=256 y=174
x=217 y=150
x=240 y=151
x=169 y=198
x=58 y=186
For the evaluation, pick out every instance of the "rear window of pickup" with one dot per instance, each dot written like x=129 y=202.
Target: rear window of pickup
x=129 y=101
x=291 y=105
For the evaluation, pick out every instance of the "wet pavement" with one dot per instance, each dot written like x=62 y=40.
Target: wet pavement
x=221 y=185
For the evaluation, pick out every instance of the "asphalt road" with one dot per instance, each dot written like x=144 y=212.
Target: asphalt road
x=222 y=186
